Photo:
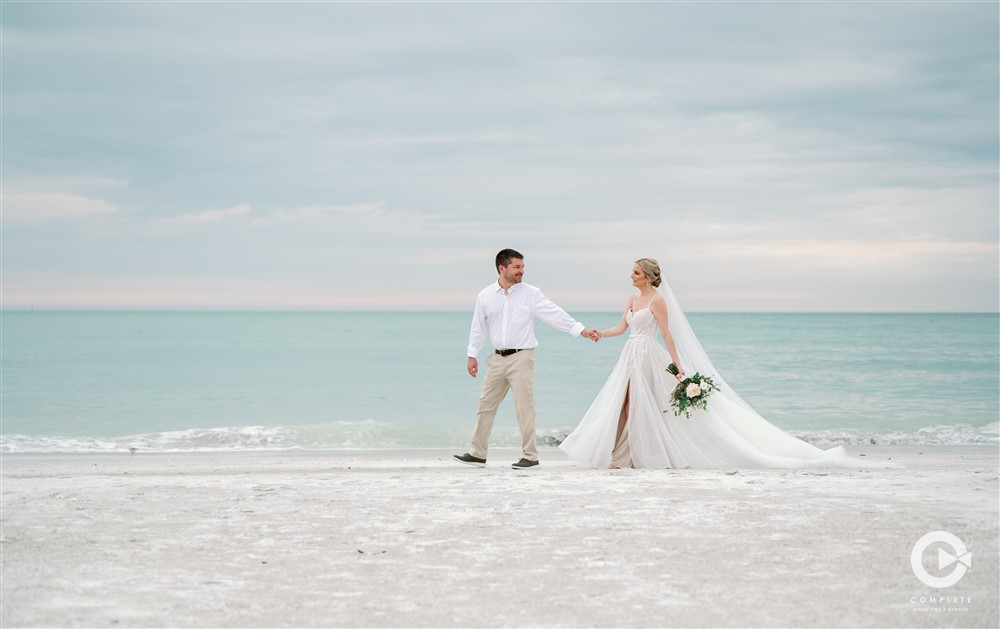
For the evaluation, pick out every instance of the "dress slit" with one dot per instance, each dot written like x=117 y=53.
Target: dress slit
x=621 y=455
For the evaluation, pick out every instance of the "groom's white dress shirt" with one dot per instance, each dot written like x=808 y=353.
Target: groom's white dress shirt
x=509 y=318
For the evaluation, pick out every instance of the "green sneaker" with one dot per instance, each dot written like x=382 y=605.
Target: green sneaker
x=470 y=460
x=524 y=464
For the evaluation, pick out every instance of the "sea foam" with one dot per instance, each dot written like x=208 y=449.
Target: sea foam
x=371 y=434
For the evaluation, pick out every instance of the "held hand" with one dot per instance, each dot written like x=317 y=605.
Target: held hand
x=473 y=366
x=591 y=334
x=677 y=372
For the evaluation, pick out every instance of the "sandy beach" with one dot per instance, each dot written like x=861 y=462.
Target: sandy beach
x=411 y=538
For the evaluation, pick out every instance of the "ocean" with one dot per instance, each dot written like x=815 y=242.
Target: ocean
x=210 y=381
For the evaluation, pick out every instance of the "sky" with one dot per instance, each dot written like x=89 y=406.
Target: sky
x=790 y=157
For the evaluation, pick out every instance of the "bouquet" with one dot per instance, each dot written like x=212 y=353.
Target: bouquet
x=690 y=393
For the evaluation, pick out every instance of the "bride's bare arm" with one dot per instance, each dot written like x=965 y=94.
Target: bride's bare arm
x=622 y=325
x=659 y=310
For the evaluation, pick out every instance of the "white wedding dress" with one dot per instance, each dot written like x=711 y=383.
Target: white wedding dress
x=729 y=434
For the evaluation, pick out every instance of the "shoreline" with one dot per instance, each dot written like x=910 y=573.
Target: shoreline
x=377 y=538
x=877 y=450
x=385 y=436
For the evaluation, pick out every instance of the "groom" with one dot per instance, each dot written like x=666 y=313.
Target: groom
x=506 y=311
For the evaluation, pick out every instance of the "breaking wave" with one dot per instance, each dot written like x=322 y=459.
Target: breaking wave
x=370 y=434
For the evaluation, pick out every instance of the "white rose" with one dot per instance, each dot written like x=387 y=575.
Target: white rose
x=693 y=390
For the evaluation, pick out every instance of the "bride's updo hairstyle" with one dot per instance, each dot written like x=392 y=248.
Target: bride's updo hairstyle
x=651 y=268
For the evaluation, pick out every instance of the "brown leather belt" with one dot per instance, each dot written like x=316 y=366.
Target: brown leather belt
x=508 y=352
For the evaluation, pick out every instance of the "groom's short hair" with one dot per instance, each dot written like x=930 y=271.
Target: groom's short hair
x=505 y=256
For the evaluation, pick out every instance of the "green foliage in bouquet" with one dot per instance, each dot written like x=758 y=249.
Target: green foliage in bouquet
x=690 y=393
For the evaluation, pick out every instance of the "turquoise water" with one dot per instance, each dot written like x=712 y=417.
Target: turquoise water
x=161 y=381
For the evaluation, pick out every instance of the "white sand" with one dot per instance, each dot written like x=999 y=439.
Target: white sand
x=414 y=539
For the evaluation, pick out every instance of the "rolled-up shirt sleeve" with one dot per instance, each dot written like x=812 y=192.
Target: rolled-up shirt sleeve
x=555 y=317
x=477 y=335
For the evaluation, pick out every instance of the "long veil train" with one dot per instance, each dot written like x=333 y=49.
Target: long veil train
x=729 y=434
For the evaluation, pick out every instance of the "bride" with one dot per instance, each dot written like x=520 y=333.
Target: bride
x=626 y=425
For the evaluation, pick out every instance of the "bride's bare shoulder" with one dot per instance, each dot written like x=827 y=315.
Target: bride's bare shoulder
x=658 y=303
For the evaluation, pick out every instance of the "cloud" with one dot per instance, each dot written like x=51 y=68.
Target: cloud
x=854 y=255
x=353 y=211
x=209 y=216
x=41 y=206
x=485 y=137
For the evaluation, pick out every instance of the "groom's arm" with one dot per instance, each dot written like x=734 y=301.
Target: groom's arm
x=477 y=336
x=555 y=317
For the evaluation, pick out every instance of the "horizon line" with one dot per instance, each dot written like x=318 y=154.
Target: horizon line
x=137 y=309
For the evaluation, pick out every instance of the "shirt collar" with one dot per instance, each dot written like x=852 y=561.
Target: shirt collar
x=512 y=289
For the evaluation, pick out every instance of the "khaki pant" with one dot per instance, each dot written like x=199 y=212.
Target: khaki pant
x=516 y=372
